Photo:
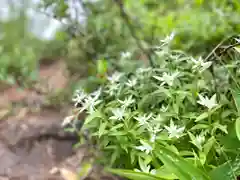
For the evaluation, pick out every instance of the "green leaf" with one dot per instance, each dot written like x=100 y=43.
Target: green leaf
x=237 y=48
x=237 y=128
x=94 y=115
x=130 y=174
x=142 y=164
x=202 y=157
x=116 y=127
x=208 y=145
x=86 y=168
x=226 y=171
x=230 y=141
x=61 y=9
x=200 y=126
x=114 y=156
x=181 y=174
x=102 y=66
x=222 y=128
x=179 y=166
x=153 y=98
x=236 y=97
x=165 y=173
x=117 y=133
x=202 y=117
x=102 y=128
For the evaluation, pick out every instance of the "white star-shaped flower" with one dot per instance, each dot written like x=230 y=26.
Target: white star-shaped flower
x=142 y=120
x=145 y=147
x=118 y=114
x=126 y=54
x=174 y=131
x=209 y=103
x=131 y=82
x=79 y=96
x=200 y=65
x=127 y=102
x=115 y=77
x=169 y=38
x=167 y=78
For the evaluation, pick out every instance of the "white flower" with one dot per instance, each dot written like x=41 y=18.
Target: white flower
x=79 y=96
x=89 y=104
x=167 y=78
x=209 y=103
x=198 y=141
x=96 y=93
x=200 y=65
x=118 y=114
x=143 y=70
x=155 y=127
x=147 y=170
x=145 y=147
x=126 y=54
x=115 y=77
x=164 y=108
x=127 y=102
x=67 y=120
x=174 y=131
x=153 y=132
x=132 y=82
x=159 y=53
x=153 y=171
x=142 y=120
x=112 y=89
x=169 y=38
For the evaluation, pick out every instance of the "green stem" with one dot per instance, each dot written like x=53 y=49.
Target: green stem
x=209 y=118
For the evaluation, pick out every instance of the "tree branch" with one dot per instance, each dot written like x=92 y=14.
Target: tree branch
x=131 y=28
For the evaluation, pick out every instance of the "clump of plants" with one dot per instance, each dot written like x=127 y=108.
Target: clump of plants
x=176 y=120
x=19 y=48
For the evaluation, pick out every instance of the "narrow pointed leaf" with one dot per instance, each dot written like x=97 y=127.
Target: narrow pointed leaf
x=133 y=175
x=182 y=168
x=237 y=128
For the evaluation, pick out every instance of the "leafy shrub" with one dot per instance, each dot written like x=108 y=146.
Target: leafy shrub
x=174 y=120
x=106 y=31
x=19 y=49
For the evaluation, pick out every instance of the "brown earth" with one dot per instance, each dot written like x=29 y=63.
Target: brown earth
x=33 y=145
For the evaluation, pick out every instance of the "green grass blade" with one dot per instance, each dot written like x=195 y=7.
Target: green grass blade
x=236 y=97
x=133 y=175
x=237 y=128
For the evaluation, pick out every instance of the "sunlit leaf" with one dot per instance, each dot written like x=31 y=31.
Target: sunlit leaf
x=94 y=115
x=179 y=166
x=165 y=173
x=236 y=97
x=133 y=175
x=237 y=127
x=101 y=130
x=102 y=66
x=237 y=48
x=202 y=116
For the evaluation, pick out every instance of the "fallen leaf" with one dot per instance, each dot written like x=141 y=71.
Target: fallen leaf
x=54 y=170
x=22 y=113
x=4 y=113
x=68 y=175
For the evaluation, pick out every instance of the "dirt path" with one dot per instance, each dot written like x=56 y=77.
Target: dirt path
x=33 y=146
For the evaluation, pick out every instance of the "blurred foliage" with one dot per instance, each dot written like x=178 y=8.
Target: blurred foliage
x=199 y=26
x=20 y=49
x=113 y=27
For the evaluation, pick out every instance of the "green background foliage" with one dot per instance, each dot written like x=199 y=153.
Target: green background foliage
x=99 y=46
